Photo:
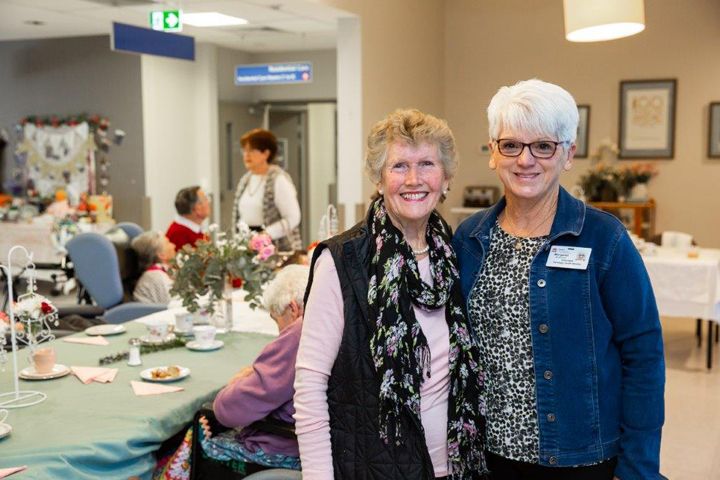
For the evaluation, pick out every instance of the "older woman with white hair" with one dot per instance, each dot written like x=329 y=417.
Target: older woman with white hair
x=385 y=372
x=570 y=340
x=154 y=252
x=265 y=389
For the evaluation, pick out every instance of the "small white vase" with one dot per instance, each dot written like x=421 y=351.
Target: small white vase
x=639 y=193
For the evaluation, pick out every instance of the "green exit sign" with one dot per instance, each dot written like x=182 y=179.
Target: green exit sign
x=166 y=21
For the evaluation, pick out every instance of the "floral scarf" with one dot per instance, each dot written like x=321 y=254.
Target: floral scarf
x=400 y=350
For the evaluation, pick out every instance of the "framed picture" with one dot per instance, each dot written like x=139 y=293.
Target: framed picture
x=480 y=196
x=714 y=135
x=647 y=118
x=582 y=133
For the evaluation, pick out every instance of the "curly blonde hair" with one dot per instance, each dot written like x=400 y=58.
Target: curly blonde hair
x=412 y=127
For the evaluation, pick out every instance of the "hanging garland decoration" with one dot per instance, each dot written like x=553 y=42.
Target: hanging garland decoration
x=95 y=122
x=144 y=348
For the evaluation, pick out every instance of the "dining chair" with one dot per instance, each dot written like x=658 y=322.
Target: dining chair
x=95 y=262
x=131 y=229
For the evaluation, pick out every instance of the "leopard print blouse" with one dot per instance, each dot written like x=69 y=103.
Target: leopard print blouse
x=500 y=314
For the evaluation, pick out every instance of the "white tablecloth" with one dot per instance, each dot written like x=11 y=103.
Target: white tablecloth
x=245 y=319
x=686 y=287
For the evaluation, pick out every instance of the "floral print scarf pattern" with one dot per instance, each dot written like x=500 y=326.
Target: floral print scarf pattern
x=400 y=350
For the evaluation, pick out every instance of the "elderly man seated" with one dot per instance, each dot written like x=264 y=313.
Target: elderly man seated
x=261 y=392
x=192 y=207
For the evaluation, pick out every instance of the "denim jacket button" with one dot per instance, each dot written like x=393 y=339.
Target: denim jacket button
x=541 y=283
x=543 y=328
x=552 y=460
x=551 y=417
x=547 y=375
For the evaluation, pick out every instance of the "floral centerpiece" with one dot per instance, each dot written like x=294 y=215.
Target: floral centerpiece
x=207 y=270
x=607 y=183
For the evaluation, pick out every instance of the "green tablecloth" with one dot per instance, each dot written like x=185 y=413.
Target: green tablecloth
x=105 y=431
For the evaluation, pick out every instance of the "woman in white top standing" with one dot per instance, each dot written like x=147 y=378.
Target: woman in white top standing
x=265 y=198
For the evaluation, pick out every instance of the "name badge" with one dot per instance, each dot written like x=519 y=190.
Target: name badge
x=576 y=258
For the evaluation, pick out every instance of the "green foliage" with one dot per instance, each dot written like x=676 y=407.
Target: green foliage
x=208 y=269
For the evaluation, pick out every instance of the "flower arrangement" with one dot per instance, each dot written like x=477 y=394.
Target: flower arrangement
x=604 y=182
x=33 y=315
x=246 y=259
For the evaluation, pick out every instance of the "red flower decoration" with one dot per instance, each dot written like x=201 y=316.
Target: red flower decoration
x=46 y=308
x=237 y=282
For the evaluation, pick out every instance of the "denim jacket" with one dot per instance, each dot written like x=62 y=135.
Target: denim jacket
x=596 y=340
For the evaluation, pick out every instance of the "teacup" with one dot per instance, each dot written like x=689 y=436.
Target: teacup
x=204 y=334
x=183 y=322
x=44 y=360
x=158 y=331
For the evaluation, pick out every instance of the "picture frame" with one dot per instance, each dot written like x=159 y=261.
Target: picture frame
x=714 y=130
x=647 y=119
x=581 y=142
x=479 y=196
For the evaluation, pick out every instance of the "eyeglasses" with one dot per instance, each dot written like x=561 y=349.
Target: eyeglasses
x=540 y=149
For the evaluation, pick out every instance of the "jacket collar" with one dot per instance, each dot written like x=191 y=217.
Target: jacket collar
x=569 y=217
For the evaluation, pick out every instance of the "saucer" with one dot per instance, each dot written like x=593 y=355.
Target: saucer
x=29 y=373
x=105 y=330
x=147 y=374
x=195 y=345
x=147 y=340
x=5 y=430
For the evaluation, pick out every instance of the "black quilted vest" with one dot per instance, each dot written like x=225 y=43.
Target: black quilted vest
x=353 y=387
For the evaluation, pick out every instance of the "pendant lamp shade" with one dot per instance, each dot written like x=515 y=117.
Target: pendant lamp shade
x=600 y=20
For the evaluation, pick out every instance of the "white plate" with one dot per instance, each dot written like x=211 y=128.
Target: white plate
x=58 y=371
x=105 y=330
x=148 y=340
x=5 y=430
x=147 y=374
x=195 y=345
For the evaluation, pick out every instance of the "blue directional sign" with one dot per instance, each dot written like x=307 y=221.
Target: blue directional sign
x=130 y=38
x=274 y=73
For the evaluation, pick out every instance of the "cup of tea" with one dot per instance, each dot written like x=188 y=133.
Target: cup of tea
x=44 y=360
x=183 y=322
x=204 y=334
x=158 y=331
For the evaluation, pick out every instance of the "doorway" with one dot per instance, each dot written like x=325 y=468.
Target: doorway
x=307 y=141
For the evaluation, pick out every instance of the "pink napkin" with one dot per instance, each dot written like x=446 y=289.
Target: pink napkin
x=87 y=340
x=6 y=472
x=94 y=374
x=144 y=388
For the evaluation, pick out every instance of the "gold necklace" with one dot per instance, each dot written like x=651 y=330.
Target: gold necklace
x=529 y=233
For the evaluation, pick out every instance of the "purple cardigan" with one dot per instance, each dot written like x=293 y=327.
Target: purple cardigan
x=267 y=391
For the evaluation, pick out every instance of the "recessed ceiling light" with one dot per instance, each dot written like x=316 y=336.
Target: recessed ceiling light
x=211 y=19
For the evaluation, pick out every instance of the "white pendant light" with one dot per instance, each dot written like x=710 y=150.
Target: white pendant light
x=600 y=20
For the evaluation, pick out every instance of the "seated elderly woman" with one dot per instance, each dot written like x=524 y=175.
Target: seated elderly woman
x=257 y=396
x=154 y=252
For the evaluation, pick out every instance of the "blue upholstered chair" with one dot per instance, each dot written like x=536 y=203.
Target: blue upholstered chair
x=96 y=267
x=131 y=229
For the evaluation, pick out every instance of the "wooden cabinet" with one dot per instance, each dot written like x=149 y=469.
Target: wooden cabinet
x=638 y=216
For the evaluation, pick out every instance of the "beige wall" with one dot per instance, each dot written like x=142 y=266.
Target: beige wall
x=493 y=43
x=402 y=57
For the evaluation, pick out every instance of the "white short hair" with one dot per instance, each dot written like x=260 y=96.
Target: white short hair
x=289 y=284
x=539 y=108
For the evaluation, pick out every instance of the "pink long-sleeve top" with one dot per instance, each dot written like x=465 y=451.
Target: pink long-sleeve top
x=268 y=390
x=319 y=344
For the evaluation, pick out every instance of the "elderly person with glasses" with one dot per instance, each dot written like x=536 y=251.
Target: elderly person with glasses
x=559 y=299
x=385 y=384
